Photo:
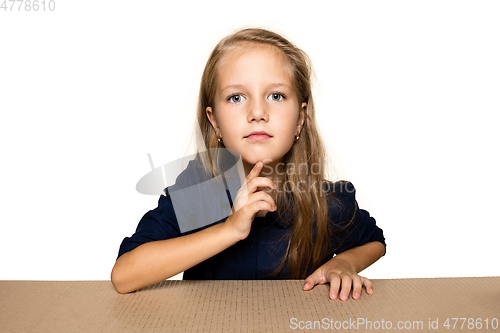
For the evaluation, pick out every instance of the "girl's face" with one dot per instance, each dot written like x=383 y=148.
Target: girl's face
x=256 y=110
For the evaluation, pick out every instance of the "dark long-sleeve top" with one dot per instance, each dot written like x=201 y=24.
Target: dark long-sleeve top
x=258 y=256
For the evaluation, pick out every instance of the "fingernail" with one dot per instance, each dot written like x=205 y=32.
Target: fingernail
x=343 y=297
x=333 y=296
x=356 y=296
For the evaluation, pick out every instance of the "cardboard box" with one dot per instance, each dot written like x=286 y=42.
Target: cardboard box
x=420 y=305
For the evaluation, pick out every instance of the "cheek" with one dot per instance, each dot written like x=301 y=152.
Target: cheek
x=290 y=125
x=229 y=129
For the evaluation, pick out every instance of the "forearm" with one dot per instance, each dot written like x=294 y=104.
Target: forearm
x=156 y=261
x=361 y=257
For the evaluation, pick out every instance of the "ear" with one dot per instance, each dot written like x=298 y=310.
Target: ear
x=211 y=118
x=302 y=117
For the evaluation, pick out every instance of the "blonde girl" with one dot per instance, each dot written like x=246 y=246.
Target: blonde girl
x=287 y=220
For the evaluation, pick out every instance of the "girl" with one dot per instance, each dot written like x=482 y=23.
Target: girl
x=287 y=221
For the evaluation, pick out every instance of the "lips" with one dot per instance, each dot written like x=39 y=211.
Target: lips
x=258 y=136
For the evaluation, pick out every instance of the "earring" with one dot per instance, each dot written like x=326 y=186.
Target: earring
x=296 y=137
x=219 y=139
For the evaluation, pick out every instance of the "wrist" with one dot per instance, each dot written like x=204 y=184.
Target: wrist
x=340 y=264
x=230 y=232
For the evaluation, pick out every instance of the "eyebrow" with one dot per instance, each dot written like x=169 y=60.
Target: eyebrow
x=237 y=86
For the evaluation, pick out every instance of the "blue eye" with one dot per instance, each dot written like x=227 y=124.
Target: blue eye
x=236 y=98
x=276 y=97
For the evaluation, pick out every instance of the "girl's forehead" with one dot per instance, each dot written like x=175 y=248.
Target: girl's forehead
x=236 y=50
x=243 y=46
x=247 y=50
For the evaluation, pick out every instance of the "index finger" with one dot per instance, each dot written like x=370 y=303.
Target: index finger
x=257 y=168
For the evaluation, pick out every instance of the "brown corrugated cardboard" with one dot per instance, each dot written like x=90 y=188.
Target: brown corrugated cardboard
x=419 y=305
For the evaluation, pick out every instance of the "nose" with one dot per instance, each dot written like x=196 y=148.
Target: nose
x=257 y=111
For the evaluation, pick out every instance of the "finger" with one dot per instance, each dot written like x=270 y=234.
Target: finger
x=346 y=287
x=258 y=183
x=357 y=285
x=257 y=168
x=312 y=280
x=368 y=285
x=264 y=197
x=250 y=187
x=248 y=195
x=335 y=283
x=261 y=205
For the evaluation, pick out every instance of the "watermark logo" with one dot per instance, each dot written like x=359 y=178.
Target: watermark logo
x=198 y=199
x=201 y=199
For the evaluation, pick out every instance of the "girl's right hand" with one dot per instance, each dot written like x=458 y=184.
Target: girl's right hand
x=249 y=200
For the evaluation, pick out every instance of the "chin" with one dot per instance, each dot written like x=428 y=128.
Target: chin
x=256 y=158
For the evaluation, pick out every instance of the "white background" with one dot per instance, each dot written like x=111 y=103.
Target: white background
x=406 y=93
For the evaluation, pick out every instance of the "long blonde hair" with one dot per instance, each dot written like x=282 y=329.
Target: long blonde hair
x=309 y=239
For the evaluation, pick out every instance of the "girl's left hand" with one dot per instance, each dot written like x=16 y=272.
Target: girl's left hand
x=342 y=277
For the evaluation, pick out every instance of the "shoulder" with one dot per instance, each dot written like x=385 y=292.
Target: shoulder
x=341 y=200
x=341 y=192
x=193 y=174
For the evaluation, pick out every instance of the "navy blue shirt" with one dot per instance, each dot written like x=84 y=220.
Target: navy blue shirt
x=258 y=256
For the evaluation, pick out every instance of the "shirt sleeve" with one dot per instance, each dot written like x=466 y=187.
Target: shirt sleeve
x=157 y=224
x=352 y=226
